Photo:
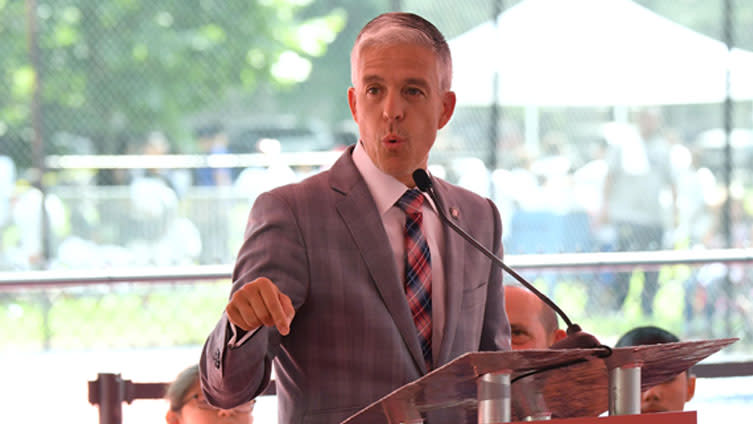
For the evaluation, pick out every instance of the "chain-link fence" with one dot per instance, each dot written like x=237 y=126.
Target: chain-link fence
x=148 y=332
x=146 y=129
x=690 y=298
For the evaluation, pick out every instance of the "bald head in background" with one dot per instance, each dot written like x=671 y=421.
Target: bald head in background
x=533 y=324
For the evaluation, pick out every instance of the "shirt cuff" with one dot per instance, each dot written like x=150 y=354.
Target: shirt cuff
x=239 y=336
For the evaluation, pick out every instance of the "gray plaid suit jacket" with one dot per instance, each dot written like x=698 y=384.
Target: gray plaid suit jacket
x=352 y=339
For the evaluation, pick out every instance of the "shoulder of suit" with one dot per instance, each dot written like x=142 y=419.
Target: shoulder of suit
x=310 y=184
x=458 y=193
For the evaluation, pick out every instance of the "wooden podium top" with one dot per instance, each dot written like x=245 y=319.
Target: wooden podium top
x=568 y=383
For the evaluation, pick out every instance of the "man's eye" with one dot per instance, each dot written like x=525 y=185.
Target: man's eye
x=372 y=90
x=412 y=91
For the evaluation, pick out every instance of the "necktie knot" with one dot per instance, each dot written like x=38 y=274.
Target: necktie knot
x=410 y=202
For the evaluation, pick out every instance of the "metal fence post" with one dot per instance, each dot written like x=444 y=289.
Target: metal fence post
x=107 y=391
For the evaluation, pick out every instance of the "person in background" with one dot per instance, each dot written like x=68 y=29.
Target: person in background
x=7 y=189
x=668 y=396
x=188 y=405
x=155 y=144
x=533 y=324
x=347 y=281
x=212 y=140
x=639 y=174
x=212 y=211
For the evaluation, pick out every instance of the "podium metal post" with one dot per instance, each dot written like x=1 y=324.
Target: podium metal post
x=625 y=390
x=494 y=398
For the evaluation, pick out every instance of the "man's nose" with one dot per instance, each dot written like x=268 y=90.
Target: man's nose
x=394 y=107
x=225 y=412
x=651 y=394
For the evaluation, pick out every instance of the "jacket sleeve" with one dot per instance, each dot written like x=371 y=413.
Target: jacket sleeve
x=274 y=248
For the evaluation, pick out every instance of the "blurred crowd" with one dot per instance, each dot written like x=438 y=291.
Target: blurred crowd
x=634 y=186
x=140 y=216
x=631 y=186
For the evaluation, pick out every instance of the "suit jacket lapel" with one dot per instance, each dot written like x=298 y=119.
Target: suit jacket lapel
x=454 y=263
x=360 y=215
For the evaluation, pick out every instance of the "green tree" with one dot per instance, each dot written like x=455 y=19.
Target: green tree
x=118 y=67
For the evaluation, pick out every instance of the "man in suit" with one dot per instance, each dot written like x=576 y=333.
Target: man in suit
x=321 y=283
x=533 y=324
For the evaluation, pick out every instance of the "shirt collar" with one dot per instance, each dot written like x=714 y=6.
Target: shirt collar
x=384 y=188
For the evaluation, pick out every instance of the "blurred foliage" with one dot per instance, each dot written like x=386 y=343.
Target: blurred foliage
x=128 y=316
x=113 y=70
x=111 y=317
x=131 y=66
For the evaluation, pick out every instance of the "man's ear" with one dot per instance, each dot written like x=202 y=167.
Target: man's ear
x=352 y=103
x=172 y=417
x=448 y=107
x=691 y=387
x=559 y=334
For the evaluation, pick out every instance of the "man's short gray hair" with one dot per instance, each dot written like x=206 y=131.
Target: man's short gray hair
x=399 y=27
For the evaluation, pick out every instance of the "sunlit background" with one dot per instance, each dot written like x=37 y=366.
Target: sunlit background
x=147 y=129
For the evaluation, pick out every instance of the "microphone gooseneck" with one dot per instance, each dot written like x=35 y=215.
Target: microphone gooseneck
x=576 y=337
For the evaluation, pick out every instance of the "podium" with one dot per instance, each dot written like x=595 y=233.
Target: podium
x=573 y=386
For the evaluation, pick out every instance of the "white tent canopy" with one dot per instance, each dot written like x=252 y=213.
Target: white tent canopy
x=593 y=52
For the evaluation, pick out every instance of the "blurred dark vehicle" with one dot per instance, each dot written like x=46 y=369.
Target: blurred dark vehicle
x=345 y=133
x=294 y=135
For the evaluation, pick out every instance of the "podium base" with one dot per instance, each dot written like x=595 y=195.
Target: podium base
x=687 y=417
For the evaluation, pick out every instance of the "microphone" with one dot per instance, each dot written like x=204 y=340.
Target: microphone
x=576 y=338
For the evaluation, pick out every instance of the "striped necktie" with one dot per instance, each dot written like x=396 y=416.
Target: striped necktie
x=417 y=269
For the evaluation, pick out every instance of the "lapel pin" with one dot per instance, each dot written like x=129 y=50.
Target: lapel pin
x=454 y=212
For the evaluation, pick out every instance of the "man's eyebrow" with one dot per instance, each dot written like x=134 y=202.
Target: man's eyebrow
x=417 y=81
x=421 y=82
x=372 y=78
